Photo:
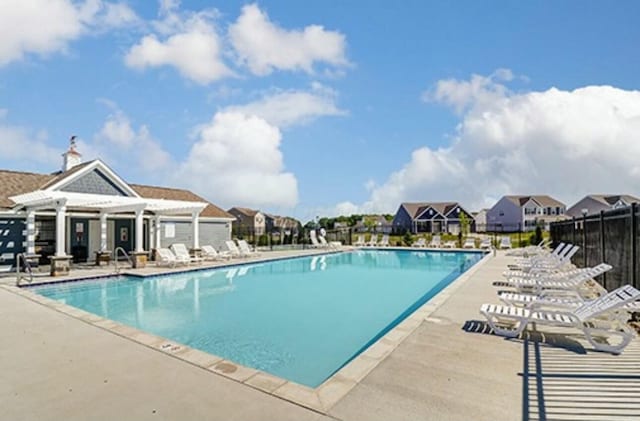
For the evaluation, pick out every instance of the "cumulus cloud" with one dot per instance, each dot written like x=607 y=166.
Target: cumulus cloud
x=292 y=107
x=22 y=147
x=188 y=42
x=564 y=143
x=119 y=142
x=264 y=46
x=236 y=160
x=45 y=27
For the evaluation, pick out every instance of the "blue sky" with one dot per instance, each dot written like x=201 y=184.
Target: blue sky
x=310 y=108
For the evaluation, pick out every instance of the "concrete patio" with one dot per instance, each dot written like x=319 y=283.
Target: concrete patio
x=449 y=368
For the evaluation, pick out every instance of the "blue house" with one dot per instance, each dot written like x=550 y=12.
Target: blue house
x=440 y=217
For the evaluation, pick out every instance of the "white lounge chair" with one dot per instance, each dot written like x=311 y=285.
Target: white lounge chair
x=234 y=251
x=360 y=241
x=485 y=244
x=541 y=247
x=210 y=253
x=314 y=240
x=181 y=252
x=435 y=241
x=537 y=285
x=332 y=245
x=421 y=242
x=505 y=242
x=385 y=241
x=596 y=319
x=164 y=257
x=246 y=249
x=373 y=241
x=469 y=243
x=449 y=244
x=548 y=263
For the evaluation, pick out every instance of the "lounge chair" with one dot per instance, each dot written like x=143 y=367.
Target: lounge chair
x=246 y=249
x=449 y=244
x=572 y=282
x=164 y=257
x=181 y=252
x=548 y=264
x=385 y=241
x=314 y=240
x=421 y=242
x=360 y=241
x=435 y=241
x=331 y=245
x=234 y=251
x=210 y=253
x=505 y=242
x=373 y=241
x=485 y=244
x=469 y=243
x=596 y=319
x=541 y=247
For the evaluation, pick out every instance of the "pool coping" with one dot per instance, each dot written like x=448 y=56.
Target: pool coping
x=320 y=399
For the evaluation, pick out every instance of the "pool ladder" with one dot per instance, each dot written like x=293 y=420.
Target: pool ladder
x=27 y=267
x=115 y=258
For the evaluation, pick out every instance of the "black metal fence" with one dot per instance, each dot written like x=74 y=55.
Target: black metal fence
x=612 y=237
x=290 y=239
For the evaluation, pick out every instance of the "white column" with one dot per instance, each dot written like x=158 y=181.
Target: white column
x=139 y=229
x=31 y=231
x=158 y=237
x=61 y=228
x=195 y=224
x=103 y=231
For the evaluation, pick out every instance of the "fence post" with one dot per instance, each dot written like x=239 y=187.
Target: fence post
x=584 y=240
x=573 y=231
x=602 y=248
x=634 y=245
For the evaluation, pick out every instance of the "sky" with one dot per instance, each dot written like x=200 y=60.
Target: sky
x=322 y=108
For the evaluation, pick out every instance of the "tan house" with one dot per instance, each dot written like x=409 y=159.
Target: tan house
x=249 y=220
x=594 y=203
x=524 y=213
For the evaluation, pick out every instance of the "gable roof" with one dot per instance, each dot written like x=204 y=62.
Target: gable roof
x=543 y=200
x=244 y=211
x=13 y=183
x=612 y=199
x=443 y=208
x=155 y=192
x=61 y=175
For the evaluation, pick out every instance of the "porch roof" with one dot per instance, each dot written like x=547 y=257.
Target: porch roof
x=44 y=199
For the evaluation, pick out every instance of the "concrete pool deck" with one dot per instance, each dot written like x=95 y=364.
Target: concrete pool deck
x=56 y=366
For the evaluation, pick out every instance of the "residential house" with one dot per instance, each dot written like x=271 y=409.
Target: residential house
x=480 y=219
x=594 y=203
x=442 y=217
x=277 y=223
x=250 y=221
x=516 y=213
x=87 y=208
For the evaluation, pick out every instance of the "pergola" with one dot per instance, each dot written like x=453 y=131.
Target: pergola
x=104 y=205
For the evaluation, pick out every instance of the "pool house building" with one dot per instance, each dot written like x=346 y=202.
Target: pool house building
x=86 y=211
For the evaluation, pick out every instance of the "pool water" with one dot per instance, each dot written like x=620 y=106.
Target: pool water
x=300 y=319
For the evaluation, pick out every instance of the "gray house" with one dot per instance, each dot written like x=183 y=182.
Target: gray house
x=87 y=208
x=594 y=203
x=515 y=213
x=441 y=217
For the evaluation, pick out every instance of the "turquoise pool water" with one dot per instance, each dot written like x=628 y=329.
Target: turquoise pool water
x=300 y=319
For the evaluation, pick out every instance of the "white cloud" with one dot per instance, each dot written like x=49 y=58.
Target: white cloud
x=119 y=142
x=236 y=160
x=264 y=47
x=190 y=44
x=563 y=143
x=45 y=27
x=22 y=147
x=288 y=108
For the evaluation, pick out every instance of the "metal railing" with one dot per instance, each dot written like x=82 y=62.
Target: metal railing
x=115 y=258
x=27 y=266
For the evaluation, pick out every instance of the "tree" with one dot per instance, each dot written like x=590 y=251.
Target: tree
x=464 y=224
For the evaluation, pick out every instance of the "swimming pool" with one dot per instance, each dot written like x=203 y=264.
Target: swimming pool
x=300 y=319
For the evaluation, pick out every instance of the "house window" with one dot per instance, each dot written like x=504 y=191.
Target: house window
x=557 y=210
x=501 y=213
